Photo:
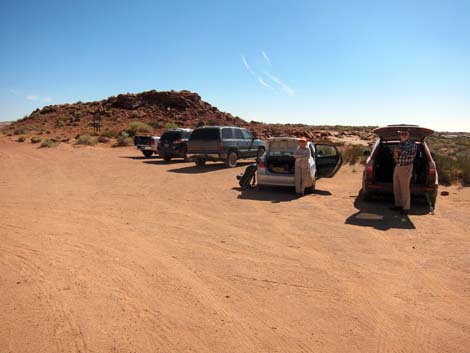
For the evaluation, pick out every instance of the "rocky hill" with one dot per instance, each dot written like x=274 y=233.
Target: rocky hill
x=159 y=110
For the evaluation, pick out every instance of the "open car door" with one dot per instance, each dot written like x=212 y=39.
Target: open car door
x=328 y=160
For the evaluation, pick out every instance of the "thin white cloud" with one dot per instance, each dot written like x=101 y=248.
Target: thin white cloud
x=36 y=98
x=253 y=73
x=32 y=97
x=14 y=92
x=281 y=84
x=264 y=83
x=46 y=99
x=266 y=57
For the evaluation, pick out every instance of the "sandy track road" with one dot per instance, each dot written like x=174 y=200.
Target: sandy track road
x=104 y=251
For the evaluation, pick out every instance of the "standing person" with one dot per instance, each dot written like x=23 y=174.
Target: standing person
x=404 y=156
x=301 y=155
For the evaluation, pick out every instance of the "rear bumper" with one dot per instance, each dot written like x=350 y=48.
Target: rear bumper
x=275 y=180
x=173 y=152
x=387 y=188
x=144 y=148
x=208 y=156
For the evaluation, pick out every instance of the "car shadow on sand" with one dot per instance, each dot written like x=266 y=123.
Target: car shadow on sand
x=194 y=169
x=163 y=162
x=274 y=194
x=142 y=157
x=377 y=214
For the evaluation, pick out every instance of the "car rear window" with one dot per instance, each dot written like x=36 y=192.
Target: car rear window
x=282 y=147
x=205 y=134
x=171 y=136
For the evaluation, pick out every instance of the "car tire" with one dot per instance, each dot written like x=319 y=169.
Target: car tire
x=167 y=158
x=311 y=189
x=200 y=162
x=366 y=195
x=147 y=154
x=231 y=160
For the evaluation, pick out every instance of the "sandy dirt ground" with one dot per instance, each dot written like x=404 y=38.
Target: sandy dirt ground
x=104 y=251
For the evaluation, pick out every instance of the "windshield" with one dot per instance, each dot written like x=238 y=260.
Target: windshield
x=205 y=134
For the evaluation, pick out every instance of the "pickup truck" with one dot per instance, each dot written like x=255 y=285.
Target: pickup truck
x=223 y=143
x=146 y=144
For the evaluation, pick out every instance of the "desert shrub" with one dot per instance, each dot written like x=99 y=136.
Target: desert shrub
x=170 y=125
x=20 y=131
x=464 y=165
x=110 y=134
x=86 y=140
x=139 y=128
x=447 y=168
x=213 y=122
x=353 y=154
x=36 y=139
x=103 y=139
x=123 y=140
x=48 y=143
x=156 y=124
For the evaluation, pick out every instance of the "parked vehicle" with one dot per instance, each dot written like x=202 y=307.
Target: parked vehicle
x=146 y=144
x=277 y=166
x=223 y=143
x=174 y=144
x=378 y=173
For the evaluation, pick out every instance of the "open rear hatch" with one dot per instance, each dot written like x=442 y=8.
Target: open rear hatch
x=390 y=132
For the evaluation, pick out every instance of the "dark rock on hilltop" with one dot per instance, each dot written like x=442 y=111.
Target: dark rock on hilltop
x=157 y=109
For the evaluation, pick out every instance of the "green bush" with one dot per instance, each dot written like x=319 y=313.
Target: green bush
x=110 y=133
x=86 y=140
x=448 y=169
x=170 y=125
x=353 y=154
x=464 y=165
x=48 y=143
x=123 y=140
x=139 y=128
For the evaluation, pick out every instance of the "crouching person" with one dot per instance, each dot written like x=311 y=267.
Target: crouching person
x=302 y=174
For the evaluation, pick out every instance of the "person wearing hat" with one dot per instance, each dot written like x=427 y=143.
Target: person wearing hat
x=301 y=155
x=404 y=155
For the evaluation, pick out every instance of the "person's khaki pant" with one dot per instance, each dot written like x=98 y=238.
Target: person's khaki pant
x=302 y=178
x=401 y=185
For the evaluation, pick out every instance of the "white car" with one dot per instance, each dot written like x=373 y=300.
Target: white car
x=277 y=166
x=146 y=144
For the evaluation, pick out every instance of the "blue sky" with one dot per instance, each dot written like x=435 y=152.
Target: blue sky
x=315 y=62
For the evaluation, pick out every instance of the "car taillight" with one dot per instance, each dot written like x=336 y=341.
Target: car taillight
x=370 y=170
x=152 y=142
x=432 y=173
x=219 y=146
x=261 y=164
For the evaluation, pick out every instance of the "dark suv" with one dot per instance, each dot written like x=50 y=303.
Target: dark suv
x=223 y=143
x=174 y=144
x=378 y=173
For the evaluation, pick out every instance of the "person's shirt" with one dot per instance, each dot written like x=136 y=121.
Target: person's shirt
x=302 y=155
x=408 y=152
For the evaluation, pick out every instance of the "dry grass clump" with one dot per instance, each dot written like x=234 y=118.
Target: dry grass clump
x=86 y=140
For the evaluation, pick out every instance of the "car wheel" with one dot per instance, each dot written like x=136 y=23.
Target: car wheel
x=147 y=154
x=231 y=160
x=311 y=189
x=167 y=158
x=200 y=162
x=366 y=195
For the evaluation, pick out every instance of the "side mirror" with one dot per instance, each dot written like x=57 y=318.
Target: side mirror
x=366 y=153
